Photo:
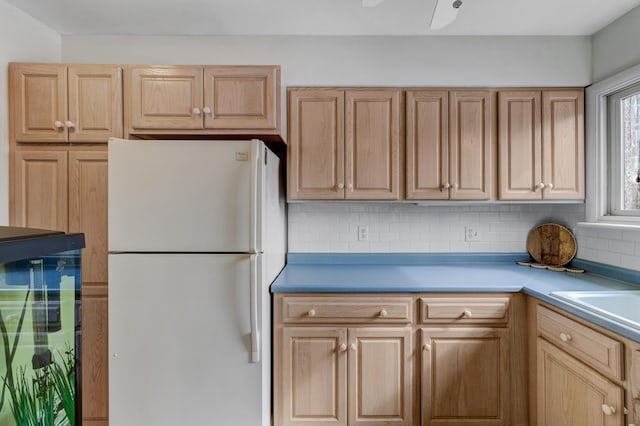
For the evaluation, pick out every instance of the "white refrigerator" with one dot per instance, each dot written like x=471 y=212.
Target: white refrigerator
x=197 y=233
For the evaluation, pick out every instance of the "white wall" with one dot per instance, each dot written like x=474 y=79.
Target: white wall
x=364 y=61
x=381 y=61
x=616 y=46
x=22 y=39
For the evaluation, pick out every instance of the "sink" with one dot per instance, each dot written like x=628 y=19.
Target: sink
x=620 y=305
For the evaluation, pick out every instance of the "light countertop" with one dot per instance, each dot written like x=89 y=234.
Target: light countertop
x=453 y=272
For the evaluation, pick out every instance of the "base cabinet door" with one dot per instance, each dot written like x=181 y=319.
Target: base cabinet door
x=465 y=377
x=572 y=394
x=314 y=376
x=380 y=377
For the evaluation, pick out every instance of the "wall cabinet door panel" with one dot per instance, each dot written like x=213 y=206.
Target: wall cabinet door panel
x=372 y=144
x=88 y=210
x=520 y=145
x=316 y=144
x=164 y=97
x=563 y=144
x=241 y=97
x=470 y=144
x=39 y=189
x=427 y=136
x=95 y=103
x=38 y=102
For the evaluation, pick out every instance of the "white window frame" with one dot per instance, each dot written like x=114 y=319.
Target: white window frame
x=597 y=151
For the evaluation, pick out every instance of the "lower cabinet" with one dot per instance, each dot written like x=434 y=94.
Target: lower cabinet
x=343 y=360
x=346 y=376
x=465 y=376
x=572 y=394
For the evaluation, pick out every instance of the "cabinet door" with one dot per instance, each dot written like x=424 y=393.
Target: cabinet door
x=238 y=98
x=520 y=149
x=164 y=98
x=470 y=144
x=39 y=189
x=88 y=210
x=95 y=361
x=465 y=376
x=95 y=103
x=380 y=376
x=38 y=99
x=427 y=144
x=314 y=382
x=372 y=149
x=572 y=394
x=563 y=144
x=316 y=144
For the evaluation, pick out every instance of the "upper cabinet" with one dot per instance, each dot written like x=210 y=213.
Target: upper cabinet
x=213 y=100
x=450 y=144
x=344 y=144
x=541 y=154
x=65 y=103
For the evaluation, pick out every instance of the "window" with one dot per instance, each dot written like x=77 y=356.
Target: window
x=624 y=152
x=613 y=151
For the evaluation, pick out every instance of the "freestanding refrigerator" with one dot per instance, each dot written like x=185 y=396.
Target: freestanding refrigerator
x=196 y=236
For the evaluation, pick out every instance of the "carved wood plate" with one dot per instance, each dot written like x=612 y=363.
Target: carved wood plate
x=551 y=244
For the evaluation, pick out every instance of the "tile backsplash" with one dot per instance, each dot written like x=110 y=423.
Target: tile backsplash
x=333 y=227
x=611 y=246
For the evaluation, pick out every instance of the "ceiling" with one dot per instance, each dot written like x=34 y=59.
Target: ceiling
x=322 y=17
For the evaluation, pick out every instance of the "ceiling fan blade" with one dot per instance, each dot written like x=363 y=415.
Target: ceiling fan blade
x=371 y=3
x=443 y=14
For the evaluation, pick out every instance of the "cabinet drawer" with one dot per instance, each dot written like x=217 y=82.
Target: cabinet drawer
x=589 y=346
x=346 y=309
x=464 y=309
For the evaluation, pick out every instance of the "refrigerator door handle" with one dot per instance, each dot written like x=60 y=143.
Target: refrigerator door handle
x=256 y=196
x=254 y=310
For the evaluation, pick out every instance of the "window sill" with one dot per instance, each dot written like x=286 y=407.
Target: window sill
x=630 y=225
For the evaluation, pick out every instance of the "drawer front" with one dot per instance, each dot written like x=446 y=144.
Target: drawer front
x=347 y=309
x=464 y=309
x=590 y=346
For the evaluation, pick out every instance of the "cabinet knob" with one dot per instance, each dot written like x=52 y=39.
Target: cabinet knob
x=565 y=337
x=353 y=347
x=350 y=186
x=467 y=313
x=446 y=186
x=69 y=124
x=340 y=185
x=312 y=312
x=426 y=347
x=58 y=124
x=196 y=111
x=540 y=186
x=383 y=312
x=455 y=186
x=608 y=410
x=342 y=347
x=550 y=185
x=206 y=110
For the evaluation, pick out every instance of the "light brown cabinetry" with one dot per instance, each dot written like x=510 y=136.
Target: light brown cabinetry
x=580 y=373
x=326 y=372
x=65 y=103
x=467 y=361
x=215 y=100
x=450 y=144
x=541 y=144
x=66 y=189
x=344 y=144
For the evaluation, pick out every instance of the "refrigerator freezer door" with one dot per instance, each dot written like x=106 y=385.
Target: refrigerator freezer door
x=179 y=338
x=184 y=196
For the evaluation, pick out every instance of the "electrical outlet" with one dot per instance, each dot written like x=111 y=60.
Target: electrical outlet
x=471 y=234
x=363 y=233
